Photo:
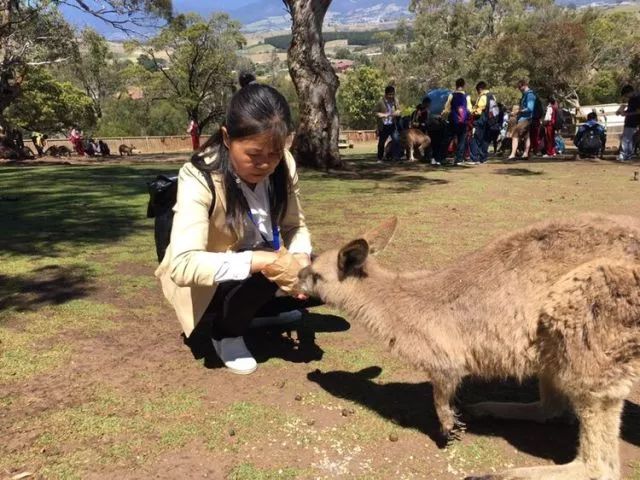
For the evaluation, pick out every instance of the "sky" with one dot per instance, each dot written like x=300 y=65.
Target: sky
x=80 y=19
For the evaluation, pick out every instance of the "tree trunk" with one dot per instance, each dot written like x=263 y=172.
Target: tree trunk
x=316 y=141
x=9 y=85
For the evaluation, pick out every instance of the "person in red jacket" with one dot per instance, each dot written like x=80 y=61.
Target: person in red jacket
x=550 y=122
x=194 y=130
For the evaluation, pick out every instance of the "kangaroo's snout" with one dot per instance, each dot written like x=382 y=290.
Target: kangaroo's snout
x=303 y=276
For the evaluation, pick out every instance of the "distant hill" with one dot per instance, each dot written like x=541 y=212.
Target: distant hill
x=262 y=16
x=265 y=16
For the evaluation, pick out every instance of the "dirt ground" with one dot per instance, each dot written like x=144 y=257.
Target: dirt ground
x=96 y=381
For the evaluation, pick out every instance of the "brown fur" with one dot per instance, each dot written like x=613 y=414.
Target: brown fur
x=413 y=142
x=126 y=149
x=559 y=300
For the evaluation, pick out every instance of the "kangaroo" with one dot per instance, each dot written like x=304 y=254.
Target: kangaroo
x=412 y=141
x=559 y=300
x=126 y=149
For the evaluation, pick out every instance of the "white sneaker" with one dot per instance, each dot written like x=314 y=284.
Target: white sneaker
x=235 y=355
x=280 y=319
x=433 y=162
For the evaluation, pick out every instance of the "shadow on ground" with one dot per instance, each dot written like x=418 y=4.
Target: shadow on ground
x=410 y=405
x=294 y=343
x=398 y=177
x=517 y=172
x=76 y=206
x=50 y=285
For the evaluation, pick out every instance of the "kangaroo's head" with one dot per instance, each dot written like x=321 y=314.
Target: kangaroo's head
x=335 y=272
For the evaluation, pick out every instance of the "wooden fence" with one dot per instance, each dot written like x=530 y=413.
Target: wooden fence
x=171 y=144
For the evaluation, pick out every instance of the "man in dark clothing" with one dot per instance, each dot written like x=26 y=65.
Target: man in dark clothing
x=387 y=112
x=485 y=108
x=631 y=115
x=457 y=111
x=591 y=137
x=420 y=116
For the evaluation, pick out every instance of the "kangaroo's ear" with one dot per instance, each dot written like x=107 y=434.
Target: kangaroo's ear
x=379 y=237
x=351 y=259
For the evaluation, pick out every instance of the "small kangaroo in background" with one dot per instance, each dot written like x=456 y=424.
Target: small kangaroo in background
x=126 y=149
x=558 y=300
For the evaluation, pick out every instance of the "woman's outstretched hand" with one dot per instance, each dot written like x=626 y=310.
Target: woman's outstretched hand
x=284 y=271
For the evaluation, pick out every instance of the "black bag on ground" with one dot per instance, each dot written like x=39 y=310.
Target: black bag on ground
x=163 y=193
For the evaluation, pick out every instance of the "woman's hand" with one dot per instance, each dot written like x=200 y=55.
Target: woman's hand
x=261 y=259
x=303 y=259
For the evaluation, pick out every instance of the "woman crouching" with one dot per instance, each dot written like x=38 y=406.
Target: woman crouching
x=228 y=264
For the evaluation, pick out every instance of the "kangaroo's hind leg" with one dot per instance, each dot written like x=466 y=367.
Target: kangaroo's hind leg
x=553 y=404
x=597 y=454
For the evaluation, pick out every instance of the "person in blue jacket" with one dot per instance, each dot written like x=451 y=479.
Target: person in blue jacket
x=591 y=137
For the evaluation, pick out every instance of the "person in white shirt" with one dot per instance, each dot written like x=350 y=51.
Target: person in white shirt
x=218 y=271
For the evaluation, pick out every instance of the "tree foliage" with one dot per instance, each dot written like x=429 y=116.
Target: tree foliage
x=562 y=51
x=47 y=105
x=202 y=57
x=95 y=68
x=33 y=34
x=359 y=91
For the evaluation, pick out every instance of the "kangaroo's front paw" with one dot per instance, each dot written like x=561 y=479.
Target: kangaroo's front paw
x=454 y=432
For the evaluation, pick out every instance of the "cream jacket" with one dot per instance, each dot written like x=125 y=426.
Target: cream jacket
x=186 y=272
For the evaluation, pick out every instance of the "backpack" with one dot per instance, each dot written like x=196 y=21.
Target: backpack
x=493 y=114
x=538 y=109
x=459 y=110
x=590 y=141
x=163 y=193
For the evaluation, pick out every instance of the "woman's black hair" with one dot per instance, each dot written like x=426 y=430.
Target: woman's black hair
x=254 y=109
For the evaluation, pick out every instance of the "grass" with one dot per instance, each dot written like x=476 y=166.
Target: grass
x=82 y=322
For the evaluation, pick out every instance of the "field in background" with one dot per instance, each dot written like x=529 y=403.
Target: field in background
x=95 y=381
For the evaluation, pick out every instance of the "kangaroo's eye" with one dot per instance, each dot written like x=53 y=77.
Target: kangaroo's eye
x=316 y=277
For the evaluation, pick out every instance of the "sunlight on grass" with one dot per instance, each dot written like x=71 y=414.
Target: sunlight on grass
x=468 y=456
x=247 y=471
x=354 y=360
x=90 y=221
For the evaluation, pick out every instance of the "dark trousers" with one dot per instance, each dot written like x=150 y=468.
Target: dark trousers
x=534 y=133
x=460 y=134
x=236 y=303
x=440 y=139
x=386 y=132
x=480 y=144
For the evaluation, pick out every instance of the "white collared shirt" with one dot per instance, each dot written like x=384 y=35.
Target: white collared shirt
x=237 y=265
x=258 y=230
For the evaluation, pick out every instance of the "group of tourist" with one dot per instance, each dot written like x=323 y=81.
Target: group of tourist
x=88 y=148
x=466 y=129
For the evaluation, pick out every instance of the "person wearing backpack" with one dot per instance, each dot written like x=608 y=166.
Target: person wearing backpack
x=239 y=235
x=457 y=111
x=550 y=127
x=590 y=138
x=525 y=120
x=487 y=122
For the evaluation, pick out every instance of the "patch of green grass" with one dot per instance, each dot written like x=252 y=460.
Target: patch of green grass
x=39 y=345
x=20 y=362
x=248 y=471
x=354 y=360
x=475 y=455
